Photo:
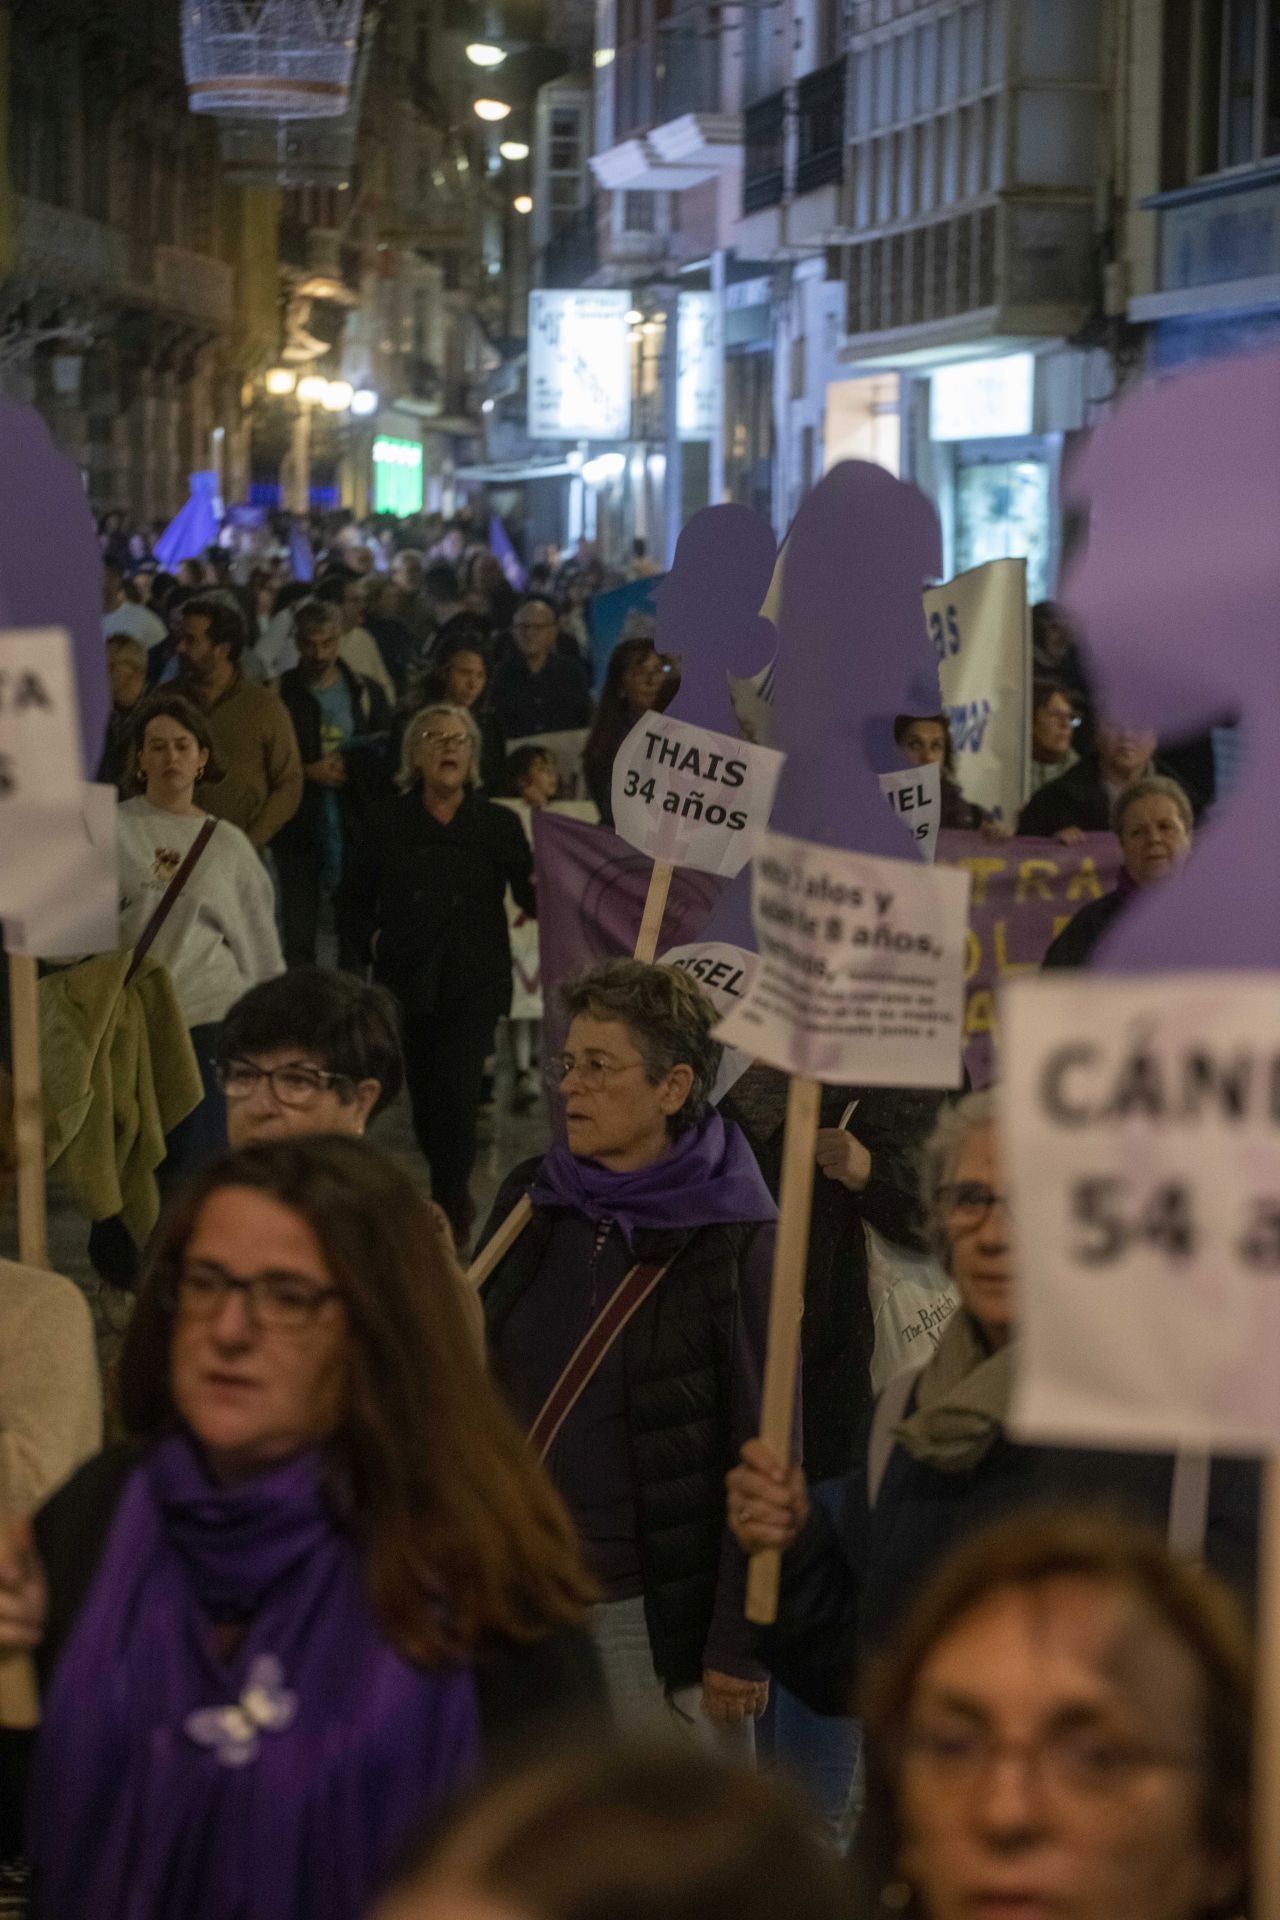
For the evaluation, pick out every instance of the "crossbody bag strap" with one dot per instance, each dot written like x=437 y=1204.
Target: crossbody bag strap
x=585 y=1362
x=147 y=938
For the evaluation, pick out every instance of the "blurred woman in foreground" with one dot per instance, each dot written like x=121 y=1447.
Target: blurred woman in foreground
x=1061 y=1729
x=320 y=1590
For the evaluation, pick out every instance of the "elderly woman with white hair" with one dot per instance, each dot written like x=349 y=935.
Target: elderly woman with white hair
x=939 y=1463
x=430 y=887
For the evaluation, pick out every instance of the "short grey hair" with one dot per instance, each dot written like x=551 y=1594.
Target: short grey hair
x=667 y=1015
x=1154 y=784
x=409 y=775
x=940 y=1156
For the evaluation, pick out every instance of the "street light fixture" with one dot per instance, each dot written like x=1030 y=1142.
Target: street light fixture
x=492 y=109
x=514 y=149
x=364 y=401
x=281 y=381
x=481 y=54
x=523 y=203
x=311 y=389
x=337 y=396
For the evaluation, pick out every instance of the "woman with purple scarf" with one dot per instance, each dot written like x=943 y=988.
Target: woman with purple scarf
x=298 y=1614
x=650 y=1254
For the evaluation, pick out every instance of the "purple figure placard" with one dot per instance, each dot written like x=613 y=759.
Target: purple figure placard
x=1177 y=592
x=853 y=653
x=709 y=611
x=50 y=562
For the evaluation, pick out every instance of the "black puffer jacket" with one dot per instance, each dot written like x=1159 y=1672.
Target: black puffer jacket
x=435 y=896
x=691 y=1396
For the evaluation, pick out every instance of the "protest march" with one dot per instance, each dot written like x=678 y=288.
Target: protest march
x=605 y=1237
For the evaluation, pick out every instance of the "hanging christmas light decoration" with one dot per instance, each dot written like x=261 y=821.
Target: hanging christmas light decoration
x=273 y=59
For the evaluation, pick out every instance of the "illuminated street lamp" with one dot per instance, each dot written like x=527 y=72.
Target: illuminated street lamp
x=337 y=396
x=523 y=203
x=364 y=401
x=514 y=149
x=311 y=389
x=492 y=109
x=481 y=54
x=281 y=381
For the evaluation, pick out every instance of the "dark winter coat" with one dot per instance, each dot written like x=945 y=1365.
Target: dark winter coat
x=365 y=756
x=847 y=1584
x=1080 y=798
x=435 y=896
x=1074 y=946
x=689 y=1366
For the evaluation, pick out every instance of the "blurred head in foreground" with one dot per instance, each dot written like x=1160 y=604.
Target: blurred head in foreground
x=651 y=1833
x=1061 y=1732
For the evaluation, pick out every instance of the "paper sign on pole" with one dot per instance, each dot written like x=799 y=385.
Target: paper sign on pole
x=1142 y=1135
x=861 y=975
x=915 y=795
x=979 y=624
x=692 y=797
x=61 y=857
x=39 y=720
x=725 y=974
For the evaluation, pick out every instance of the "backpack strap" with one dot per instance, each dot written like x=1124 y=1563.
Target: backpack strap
x=889 y=1409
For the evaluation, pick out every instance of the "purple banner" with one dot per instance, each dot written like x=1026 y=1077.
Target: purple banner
x=1024 y=893
x=591 y=893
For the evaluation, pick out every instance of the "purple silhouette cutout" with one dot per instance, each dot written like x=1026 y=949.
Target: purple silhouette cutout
x=50 y=562
x=709 y=611
x=853 y=653
x=1177 y=592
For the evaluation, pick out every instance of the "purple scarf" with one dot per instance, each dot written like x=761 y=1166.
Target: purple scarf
x=278 y=1783
x=709 y=1178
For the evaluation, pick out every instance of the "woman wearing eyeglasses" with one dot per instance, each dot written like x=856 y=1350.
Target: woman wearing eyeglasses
x=320 y=1588
x=938 y=1462
x=431 y=886
x=649 y=1188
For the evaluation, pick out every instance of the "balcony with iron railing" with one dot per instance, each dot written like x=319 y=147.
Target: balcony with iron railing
x=764 y=145
x=820 y=128
x=572 y=254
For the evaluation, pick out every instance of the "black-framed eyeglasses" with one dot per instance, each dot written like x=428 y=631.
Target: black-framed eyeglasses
x=1073 y=1764
x=968 y=1202
x=276 y=1302
x=294 y=1085
x=594 y=1070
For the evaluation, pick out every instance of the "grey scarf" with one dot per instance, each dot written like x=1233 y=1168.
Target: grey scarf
x=962 y=1400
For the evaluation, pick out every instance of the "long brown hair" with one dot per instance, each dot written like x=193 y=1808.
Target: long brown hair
x=1026 y=1552
x=466 y=1540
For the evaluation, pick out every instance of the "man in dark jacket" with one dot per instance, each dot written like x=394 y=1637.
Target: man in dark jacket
x=1082 y=800
x=342 y=721
x=536 y=689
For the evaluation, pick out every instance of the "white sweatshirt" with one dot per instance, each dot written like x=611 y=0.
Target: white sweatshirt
x=220 y=938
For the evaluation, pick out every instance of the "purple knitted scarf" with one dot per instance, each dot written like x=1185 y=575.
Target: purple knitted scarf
x=277 y=1783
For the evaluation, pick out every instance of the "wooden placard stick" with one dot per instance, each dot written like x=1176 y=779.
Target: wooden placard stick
x=1266 y=1713
x=654 y=907
x=785 y=1308
x=19 y=1697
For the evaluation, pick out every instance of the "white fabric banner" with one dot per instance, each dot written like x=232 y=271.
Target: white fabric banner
x=980 y=626
x=693 y=797
x=862 y=967
x=1141 y=1130
x=915 y=795
x=39 y=722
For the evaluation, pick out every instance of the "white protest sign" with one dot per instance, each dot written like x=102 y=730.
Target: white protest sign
x=39 y=722
x=862 y=967
x=692 y=797
x=62 y=856
x=979 y=624
x=1142 y=1136
x=725 y=974
x=915 y=795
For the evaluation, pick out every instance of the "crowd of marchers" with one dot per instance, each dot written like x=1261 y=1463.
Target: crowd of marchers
x=394 y=1593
